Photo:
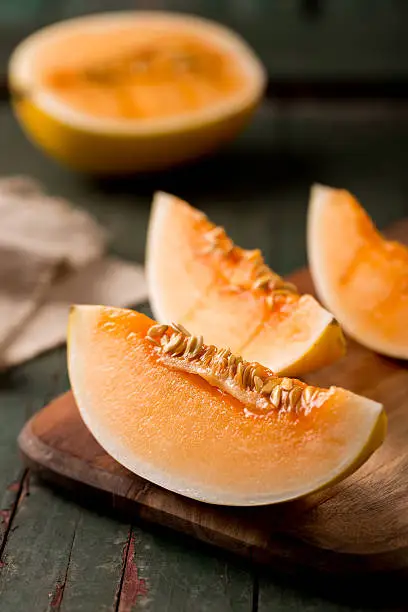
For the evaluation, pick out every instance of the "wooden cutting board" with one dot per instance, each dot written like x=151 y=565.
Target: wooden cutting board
x=359 y=525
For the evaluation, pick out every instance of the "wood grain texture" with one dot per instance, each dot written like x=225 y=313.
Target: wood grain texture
x=359 y=525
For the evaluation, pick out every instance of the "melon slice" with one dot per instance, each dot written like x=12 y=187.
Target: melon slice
x=134 y=91
x=359 y=275
x=202 y=422
x=196 y=275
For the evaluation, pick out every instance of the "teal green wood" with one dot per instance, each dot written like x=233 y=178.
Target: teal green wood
x=182 y=581
x=61 y=557
x=22 y=391
x=94 y=566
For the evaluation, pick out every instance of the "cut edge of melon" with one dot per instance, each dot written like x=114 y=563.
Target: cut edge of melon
x=328 y=346
x=320 y=196
x=317 y=202
x=161 y=207
x=22 y=77
x=85 y=315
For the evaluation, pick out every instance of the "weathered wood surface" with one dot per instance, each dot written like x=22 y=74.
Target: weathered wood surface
x=360 y=525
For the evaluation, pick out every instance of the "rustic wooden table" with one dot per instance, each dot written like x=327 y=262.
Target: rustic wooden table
x=58 y=555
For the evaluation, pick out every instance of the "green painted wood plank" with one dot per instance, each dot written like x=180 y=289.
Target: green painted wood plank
x=95 y=564
x=37 y=551
x=22 y=391
x=95 y=567
x=166 y=573
x=184 y=576
x=63 y=557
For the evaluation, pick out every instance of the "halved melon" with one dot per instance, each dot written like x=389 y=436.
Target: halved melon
x=359 y=275
x=196 y=275
x=134 y=91
x=202 y=422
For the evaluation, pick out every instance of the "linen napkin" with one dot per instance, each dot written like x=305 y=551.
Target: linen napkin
x=51 y=255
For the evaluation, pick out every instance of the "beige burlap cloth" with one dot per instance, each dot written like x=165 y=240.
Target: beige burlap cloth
x=52 y=255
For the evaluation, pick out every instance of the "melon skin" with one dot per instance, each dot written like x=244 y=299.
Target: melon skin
x=176 y=430
x=120 y=154
x=198 y=289
x=364 y=283
x=111 y=146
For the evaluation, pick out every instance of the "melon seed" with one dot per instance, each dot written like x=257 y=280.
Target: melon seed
x=294 y=397
x=258 y=384
x=180 y=328
x=282 y=392
x=190 y=346
x=286 y=384
x=270 y=385
x=308 y=394
x=238 y=375
x=276 y=396
x=199 y=345
x=173 y=344
x=157 y=330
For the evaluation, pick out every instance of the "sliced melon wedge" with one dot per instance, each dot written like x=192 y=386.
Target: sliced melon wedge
x=197 y=276
x=359 y=275
x=204 y=423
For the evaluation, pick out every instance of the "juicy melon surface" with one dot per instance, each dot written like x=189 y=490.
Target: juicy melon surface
x=139 y=65
x=178 y=431
x=359 y=275
x=136 y=72
x=211 y=294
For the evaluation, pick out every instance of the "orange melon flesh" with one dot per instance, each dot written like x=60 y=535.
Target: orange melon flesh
x=178 y=431
x=359 y=275
x=212 y=294
x=190 y=285
x=136 y=72
x=138 y=67
x=183 y=234
x=304 y=326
